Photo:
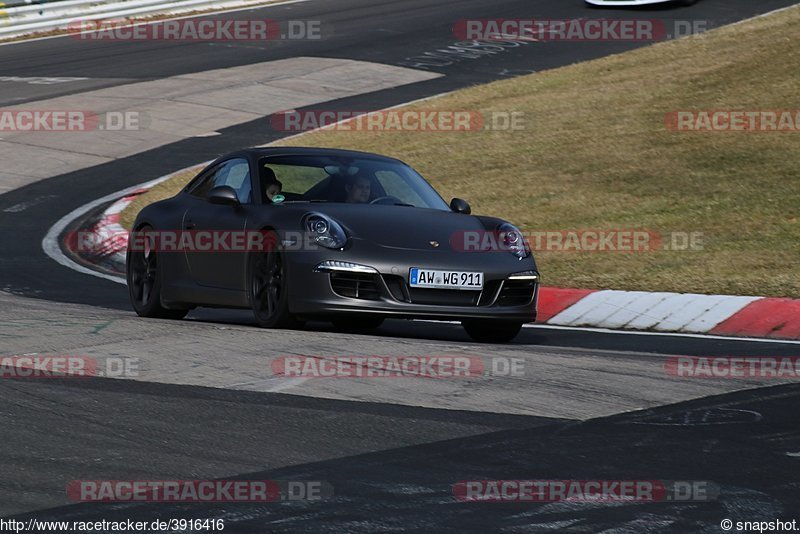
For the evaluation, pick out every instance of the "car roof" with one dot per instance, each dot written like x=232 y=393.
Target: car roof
x=308 y=151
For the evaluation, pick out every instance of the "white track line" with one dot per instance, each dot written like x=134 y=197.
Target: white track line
x=670 y=334
x=50 y=243
x=595 y=330
x=53 y=249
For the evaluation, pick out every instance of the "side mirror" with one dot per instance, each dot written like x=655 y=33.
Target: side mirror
x=460 y=205
x=223 y=194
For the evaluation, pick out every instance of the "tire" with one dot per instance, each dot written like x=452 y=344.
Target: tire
x=144 y=277
x=364 y=323
x=491 y=331
x=268 y=289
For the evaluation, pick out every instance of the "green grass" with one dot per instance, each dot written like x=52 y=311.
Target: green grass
x=596 y=154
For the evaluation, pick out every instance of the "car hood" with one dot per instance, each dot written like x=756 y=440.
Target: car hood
x=403 y=227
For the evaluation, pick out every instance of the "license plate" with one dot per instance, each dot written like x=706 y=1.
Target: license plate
x=445 y=279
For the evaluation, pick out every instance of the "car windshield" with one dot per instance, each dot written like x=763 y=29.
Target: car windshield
x=353 y=180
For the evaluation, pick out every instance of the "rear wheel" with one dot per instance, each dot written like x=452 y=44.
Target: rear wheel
x=144 y=278
x=491 y=331
x=269 y=295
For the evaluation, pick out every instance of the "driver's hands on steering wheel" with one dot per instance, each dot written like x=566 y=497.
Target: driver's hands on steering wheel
x=381 y=200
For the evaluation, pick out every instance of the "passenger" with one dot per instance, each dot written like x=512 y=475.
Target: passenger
x=358 y=189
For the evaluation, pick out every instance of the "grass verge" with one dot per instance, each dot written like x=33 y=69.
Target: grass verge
x=596 y=154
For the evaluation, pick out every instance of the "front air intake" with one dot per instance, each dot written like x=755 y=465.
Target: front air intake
x=355 y=286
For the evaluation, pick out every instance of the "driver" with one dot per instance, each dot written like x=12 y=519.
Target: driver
x=272 y=186
x=358 y=189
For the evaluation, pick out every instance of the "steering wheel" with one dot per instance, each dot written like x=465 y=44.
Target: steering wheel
x=382 y=200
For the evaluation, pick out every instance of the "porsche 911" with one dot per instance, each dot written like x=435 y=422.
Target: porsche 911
x=298 y=234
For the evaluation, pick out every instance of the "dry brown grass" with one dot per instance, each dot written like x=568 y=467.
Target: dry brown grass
x=596 y=154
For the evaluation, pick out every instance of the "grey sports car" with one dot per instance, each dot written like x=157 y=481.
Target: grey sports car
x=305 y=233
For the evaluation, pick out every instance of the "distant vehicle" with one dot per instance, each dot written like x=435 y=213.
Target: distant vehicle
x=610 y=3
x=358 y=238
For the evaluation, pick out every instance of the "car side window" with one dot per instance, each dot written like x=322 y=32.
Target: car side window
x=294 y=179
x=234 y=173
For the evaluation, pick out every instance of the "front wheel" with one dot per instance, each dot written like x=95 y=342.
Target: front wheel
x=269 y=294
x=144 y=278
x=491 y=331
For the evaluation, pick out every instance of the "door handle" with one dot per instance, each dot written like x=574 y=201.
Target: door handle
x=188 y=225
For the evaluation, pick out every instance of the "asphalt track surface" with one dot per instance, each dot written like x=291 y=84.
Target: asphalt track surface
x=391 y=462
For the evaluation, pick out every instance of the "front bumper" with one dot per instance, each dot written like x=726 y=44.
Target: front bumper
x=384 y=290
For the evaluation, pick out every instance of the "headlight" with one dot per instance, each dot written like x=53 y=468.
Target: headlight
x=325 y=231
x=513 y=240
